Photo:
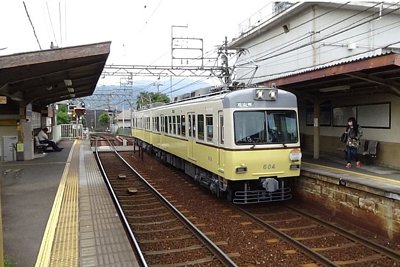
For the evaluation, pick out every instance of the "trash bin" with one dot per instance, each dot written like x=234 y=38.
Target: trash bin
x=8 y=148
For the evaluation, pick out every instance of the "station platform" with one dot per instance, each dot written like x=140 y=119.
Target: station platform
x=57 y=210
x=387 y=180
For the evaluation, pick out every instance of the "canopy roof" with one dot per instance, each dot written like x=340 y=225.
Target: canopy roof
x=48 y=76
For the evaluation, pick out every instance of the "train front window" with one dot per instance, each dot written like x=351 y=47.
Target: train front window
x=265 y=127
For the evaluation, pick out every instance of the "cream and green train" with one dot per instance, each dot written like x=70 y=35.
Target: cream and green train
x=242 y=144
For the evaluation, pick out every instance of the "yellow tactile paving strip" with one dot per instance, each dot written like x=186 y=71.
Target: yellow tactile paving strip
x=360 y=175
x=83 y=228
x=60 y=241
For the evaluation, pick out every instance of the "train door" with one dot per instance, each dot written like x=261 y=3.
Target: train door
x=191 y=135
x=221 y=137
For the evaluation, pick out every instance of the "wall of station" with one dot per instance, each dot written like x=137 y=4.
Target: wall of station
x=371 y=208
x=387 y=136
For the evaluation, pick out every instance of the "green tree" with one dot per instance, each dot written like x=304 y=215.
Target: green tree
x=145 y=98
x=62 y=115
x=104 y=119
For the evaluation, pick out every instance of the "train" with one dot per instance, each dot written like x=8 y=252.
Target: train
x=242 y=144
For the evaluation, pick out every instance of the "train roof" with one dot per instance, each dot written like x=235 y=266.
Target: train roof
x=230 y=98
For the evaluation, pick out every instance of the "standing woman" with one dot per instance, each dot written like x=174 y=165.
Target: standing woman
x=353 y=132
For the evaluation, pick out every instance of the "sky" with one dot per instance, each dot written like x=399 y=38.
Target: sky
x=140 y=30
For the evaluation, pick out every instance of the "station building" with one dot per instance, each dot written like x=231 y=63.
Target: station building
x=340 y=59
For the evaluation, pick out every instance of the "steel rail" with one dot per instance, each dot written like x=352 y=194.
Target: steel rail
x=137 y=249
x=221 y=256
x=356 y=238
x=301 y=247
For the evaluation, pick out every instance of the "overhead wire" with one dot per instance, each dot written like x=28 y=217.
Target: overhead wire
x=298 y=26
x=33 y=27
x=51 y=22
x=394 y=24
x=383 y=28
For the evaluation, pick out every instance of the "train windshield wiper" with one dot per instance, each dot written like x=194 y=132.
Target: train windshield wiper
x=255 y=142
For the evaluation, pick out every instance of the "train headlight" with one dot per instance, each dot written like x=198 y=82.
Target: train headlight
x=241 y=169
x=259 y=94
x=295 y=155
x=273 y=94
x=265 y=94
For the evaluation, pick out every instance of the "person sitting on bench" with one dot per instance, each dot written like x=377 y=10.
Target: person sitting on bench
x=44 y=139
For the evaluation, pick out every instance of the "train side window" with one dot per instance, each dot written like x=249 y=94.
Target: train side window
x=162 y=123
x=200 y=126
x=178 y=125
x=190 y=125
x=174 y=124
x=194 y=125
x=166 y=124
x=209 y=126
x=157 y=124
x=183 y=124
x=221 y=129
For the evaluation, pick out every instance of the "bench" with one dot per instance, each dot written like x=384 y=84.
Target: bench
x=38 y=147
x=368 y=150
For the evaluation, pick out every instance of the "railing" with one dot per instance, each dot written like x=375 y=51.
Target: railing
x=71 y=131
x=263 y=14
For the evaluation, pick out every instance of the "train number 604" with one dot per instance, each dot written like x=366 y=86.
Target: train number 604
x=269 y=166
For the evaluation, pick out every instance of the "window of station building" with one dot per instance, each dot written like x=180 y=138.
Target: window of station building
x=178 y=125
x=210 y=127
x=374 y=115
x=200 y=126
x=183 y=125
x=325 y=113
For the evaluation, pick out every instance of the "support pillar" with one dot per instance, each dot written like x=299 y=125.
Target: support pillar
x=316 y=128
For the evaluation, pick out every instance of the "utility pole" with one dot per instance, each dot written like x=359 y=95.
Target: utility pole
x=226 y=71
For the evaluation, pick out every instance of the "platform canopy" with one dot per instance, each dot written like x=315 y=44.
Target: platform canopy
x=364 y=76
x=49 y=76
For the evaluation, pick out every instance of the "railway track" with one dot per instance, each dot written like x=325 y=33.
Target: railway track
x=262 y=235
x=322 y=240
x=163 y=235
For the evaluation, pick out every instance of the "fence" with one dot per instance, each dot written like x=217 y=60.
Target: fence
x=71 y=131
